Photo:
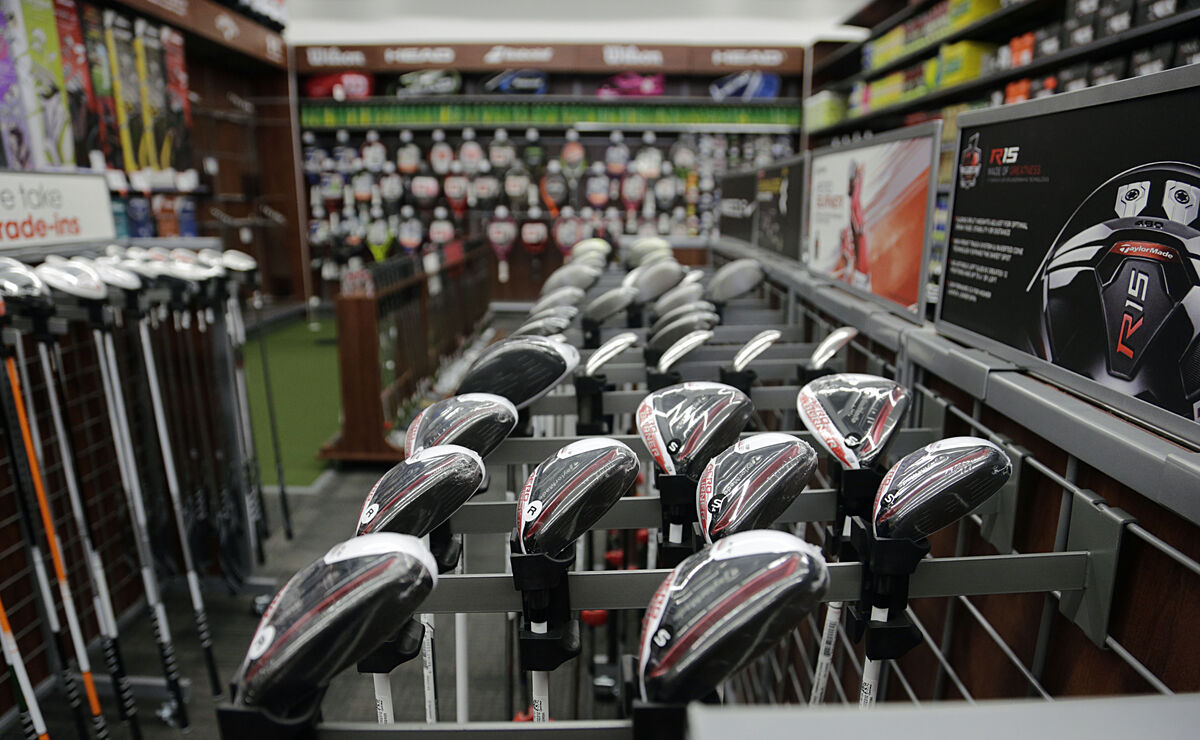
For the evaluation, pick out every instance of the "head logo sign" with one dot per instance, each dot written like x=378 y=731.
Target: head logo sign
x=970 y=163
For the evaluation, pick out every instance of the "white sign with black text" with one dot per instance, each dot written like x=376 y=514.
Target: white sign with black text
x=47 y=209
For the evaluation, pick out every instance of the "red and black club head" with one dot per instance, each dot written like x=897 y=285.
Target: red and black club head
x=686 y=425
x=749 y=485
x=477 y=421
x=853 y=416
x=724 y=606
x=937 y=485
x=567 y=493
x=422 y=491
x=521 y=369
x=330 y=615
x=734 y=280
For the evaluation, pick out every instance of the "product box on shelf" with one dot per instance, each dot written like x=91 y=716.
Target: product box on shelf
x=962 y=61
x=1149 y=11
x=1021 y=49
x=152 y=84
x=1073 y=78
x=77 y=78
x=1114 y=16
x=1080 y=8
x=177 y=150
x=1187 y=52
x=1048 y=40
x=1079 y=30
x=1110 y=71
x=963 y=13
x=108 y=134
x=33 y=44
x=1044 y=86
x=824 y=108
x=118 y=39
x=1151 y=60
x=13 y=121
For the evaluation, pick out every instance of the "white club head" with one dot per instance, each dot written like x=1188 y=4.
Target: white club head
x=755 y=347
x=686 y=344
x=607 y=351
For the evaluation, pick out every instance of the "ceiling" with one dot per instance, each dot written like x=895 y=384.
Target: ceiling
x=717 y=22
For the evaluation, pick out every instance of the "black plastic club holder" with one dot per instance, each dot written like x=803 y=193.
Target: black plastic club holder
x=635 y=316
x=589 y=402
x=806 y=374
x=656 y=381
x=677 y=496
x=445 y=546
x=545 y=598
x=856 y=490
x=651 y=356
x=237 y=722
x=524 y=427
x=591 y=333
x=887 y=564
x=397 y=650
x=740 y=379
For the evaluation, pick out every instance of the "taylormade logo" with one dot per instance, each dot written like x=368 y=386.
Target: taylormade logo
x=419 y=55
x=331 y=56
x=621 y=55
x=519 y=55
x=747 y=57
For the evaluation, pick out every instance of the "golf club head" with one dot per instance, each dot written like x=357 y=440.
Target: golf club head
x=830 y=346
x=657 y=279
x=114 y=250
x=568 y=295
x=643 y=246
x=693 y=275
x=681 y=294
x=112 y=274
x=655 y=256
x=238 y=261
x=18 y=282
x=724 y=606
x=567 y=493
x=852 y=415
x=331 y=614
x=137 y=253
x=607 y=351
x=73 y=278
x=674 y=331
x=610 y=303
x=521 y=369
x=631 y=278
x=477 y=421
x=937 y=485
x=592 y=245
x=680 y=311
x=734 y=280
x=751 y=484
x=565 y=312
x=544 y=327
x=758 y=344
x=578 y=275
x=686 y=425
x=680 y=349
x=183 y=254
x=421 y=491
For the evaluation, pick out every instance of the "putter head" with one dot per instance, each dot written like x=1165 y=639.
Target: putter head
x=680 y=349
x=544 y=327
x=477 y=421
x=682 y=294
x=680 y=311
x=521 y=369
x=751 y=484
x=674 y=331
x=610 y=303
x=331 y=614
x=724 y=606
x=686 y=425
x=853 y=416
x=568 y=295
x=578 y=275
x=565 y=312
x=830 y=346
x=734 y=280
x=112 y=274
x=567 y=493
x=656 y=279
x=73 y=278
x=422 y=491
x=937 y=485
x=607 y=351
x=758 y=344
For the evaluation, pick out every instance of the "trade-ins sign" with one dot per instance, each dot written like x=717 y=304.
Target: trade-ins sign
x=45 y=209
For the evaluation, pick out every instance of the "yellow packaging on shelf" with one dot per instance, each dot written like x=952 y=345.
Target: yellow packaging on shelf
x=965 y=12
x=824 y=109
x=961 y=61
x=886 y=90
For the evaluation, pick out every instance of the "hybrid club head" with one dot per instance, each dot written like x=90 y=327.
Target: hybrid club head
x=631 y=278
x=724 y=606
x=657 y=279
x=852 y=415
x=658 y=255
x=680 y=311
x=330 y=615
x=610 y=303
x=567 y=493
x=521 y=369
x=607 y=351
x=544 y=327
x=591 y=246
x=758 y=344
x=830 y=346
x=937 y=485
x=686 y=425
x=237 y=260
x=734 y=280
x=73 y=278
x=19 y=283
x=112 y=274
x=568 y=295
x=578 y=275
x=682 y=348
x=643 y=246
x=751 y=484
x=565 y=312
x=674 y=331
x=421 y=491
x=682 y=294
x=477 y=421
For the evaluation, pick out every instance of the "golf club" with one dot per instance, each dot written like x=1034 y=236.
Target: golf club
x=477 y=421
x=608 y=351
x=734 y=280
x=681 y=348
x=521 y=369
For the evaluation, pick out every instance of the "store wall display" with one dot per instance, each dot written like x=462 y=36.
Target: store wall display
x=870 y=206
x=780 y=206
x=1090 y=260
x=739 y=204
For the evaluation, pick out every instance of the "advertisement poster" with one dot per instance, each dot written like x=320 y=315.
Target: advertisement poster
x=1075 y=238
x=738 y=204
x=780 y=202
x=39 y=209
x=102 y=86
x=868 y=214
x=77 y=76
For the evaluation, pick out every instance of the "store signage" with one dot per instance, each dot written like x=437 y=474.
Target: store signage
x=212 y=21
x=723 y=59
x=406 y=55
x=501 y=55
x=620 y=55
x=747 y=57
x=46 y=210
x=332 y=56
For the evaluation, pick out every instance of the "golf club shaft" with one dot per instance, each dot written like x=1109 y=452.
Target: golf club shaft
x=539 y=682
x=427 y=669
x=245 y=433
x=462 y=684
x=871 y=667
x=833 y=618
x=285 y=509
x=384 y=712
x=23 y=691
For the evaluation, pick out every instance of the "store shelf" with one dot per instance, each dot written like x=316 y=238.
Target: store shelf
x=1096 y=51
x=841 y=55
x=658 y=100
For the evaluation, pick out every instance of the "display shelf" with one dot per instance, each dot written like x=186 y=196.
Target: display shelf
x=841 y=56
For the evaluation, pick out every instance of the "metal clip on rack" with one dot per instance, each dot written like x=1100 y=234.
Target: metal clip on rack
x=545 y=599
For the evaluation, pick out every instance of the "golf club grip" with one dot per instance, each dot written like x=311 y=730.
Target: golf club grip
x=126 y=705
x=825 y=657
x=166 y=653
x=27 y=728
x=100 y=726
x=71 y=692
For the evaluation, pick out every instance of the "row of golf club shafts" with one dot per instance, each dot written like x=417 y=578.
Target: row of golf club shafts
x=106 y=291
x=716 y=611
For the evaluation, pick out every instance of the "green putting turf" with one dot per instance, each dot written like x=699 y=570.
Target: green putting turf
x=304 y=379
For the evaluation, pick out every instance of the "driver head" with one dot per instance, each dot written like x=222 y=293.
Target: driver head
x=679 y=312
x=682 y=348
x=607 y=351
x=656 y=279
x=830 y=346
x=721 y=608
x=684 y=426
x=422 y=491
x=76 y=279
x=568 y=295
x=547 y=326
x=674 y=331
x=521 y=369
x=477 y=421
x=853 y=416
x=565 y=312
x=112 y=274
x=578 y=275
x=20 y=284
x=685 y=292
x=567 y=493
x=610 y=303
x=749 y=485
x=734 y=280
x=330 y=615
x=937 y=485
x=644 y=246
x=758 y=344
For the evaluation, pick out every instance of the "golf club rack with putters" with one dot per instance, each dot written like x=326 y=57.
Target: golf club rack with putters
x=126 y=406
x=688 y=449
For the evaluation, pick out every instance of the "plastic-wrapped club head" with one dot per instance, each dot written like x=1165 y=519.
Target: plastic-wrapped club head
x=674 y=331
x=758 y=344
x=686 y=425
x=610 y=303
x=693 y=275
x=421 y=491
x=682 y=348
x=544 y=327
x=112 y=274
x=679 y=312
x=734 y=280
x=658 y=255
x=521 y=369
x=682 y=294
x=564 y=312
x=477 y=421
x=567 y=493
x=643 y=246
x=937 y=485
x=592 y=245
x=830 y=346
x=751 y=484
x=722 y=608
x=656 y=279
x=853 y=416
x=577 y=275
x=631 y=278
x=568 y=295
x=73 y=278
x=330 y=615
x=20 y=284
x=607 y=351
